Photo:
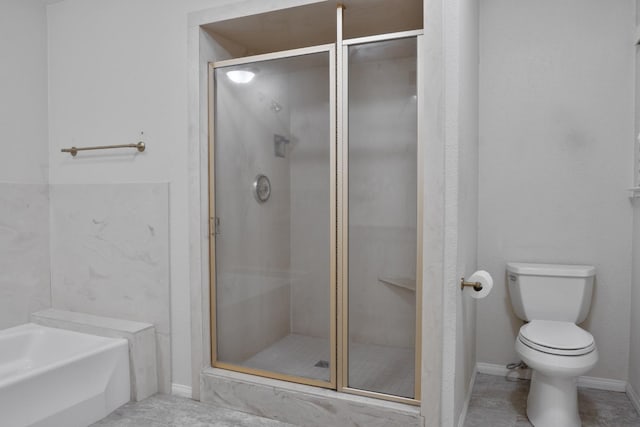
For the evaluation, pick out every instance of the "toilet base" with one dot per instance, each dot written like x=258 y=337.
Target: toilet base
x=553 y=401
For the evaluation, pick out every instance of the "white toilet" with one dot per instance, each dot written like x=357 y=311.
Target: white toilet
x=553 y=299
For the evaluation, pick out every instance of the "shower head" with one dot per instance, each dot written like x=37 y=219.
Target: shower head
x=275 y=107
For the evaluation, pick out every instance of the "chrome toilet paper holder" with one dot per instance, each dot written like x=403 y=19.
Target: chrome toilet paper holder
x=477 y=286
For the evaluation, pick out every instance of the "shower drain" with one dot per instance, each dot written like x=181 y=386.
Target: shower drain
x=322 y=364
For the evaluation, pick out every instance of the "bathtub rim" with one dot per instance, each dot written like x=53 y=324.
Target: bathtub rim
x=102 y=344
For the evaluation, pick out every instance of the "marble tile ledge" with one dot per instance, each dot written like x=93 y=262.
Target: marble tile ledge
x=141 y=337
x=300 y=404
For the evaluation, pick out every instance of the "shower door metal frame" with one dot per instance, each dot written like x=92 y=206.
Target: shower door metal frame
x=331 y=50
x=343 y=214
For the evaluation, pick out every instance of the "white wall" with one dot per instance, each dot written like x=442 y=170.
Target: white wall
x=556 y=134
x=634 y=350
x=432 y=177
x=24 y=216
x=467 y=197
x=117 y=68
x=461 y=203
x=23 y=91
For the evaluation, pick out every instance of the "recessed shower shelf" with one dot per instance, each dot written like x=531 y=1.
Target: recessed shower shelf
x=401 y=282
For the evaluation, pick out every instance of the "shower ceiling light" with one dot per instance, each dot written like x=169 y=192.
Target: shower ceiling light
x=241 y=76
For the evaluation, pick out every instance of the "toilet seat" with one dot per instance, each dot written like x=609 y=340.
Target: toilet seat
x=558 y=338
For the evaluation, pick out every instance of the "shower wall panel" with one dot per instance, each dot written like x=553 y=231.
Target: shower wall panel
x=252 y=249
x=24 y=252
x=110 y=256
x=310 y=203
x=382 y=206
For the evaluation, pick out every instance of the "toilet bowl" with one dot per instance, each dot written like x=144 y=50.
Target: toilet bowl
x=558 y=353
x=553 y=298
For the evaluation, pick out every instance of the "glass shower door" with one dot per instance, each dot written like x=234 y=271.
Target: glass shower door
x=382 y=216
x=272 y=210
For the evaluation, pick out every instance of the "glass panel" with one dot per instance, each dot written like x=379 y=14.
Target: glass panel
x=382 y=216
x=272 y=199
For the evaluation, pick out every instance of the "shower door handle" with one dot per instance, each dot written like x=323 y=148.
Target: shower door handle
x=214 y=226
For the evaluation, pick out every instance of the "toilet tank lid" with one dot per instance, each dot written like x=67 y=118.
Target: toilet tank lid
x=562 y=270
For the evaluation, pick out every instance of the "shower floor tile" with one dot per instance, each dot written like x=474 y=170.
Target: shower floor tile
x=372 y=367
x=382 y=369
x=295 y=355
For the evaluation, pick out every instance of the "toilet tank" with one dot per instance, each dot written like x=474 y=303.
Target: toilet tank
x=550 y=291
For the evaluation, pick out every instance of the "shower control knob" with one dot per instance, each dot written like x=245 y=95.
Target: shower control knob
x=261 y=188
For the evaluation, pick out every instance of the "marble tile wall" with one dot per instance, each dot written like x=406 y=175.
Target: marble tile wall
x=379 y=312
x=24 y=252
x=382 y=194
x=301 y=405
x=310 y=197
x=110 y=256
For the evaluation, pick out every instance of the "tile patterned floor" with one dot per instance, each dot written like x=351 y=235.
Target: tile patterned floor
x=500 y=402
x=495 y=402
x=164 y=410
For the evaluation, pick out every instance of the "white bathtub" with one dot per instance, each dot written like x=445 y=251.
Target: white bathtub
x=53 y=377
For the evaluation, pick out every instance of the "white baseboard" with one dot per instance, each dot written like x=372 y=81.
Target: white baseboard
x=467 y=400
x=633 y=397
x=602 y=384
x=181 y=390
x=586 y=382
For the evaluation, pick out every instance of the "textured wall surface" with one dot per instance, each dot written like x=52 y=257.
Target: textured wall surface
x=467 y=197
x=110 y=256
x=556 y=136
x=23 y=91
x=634 y=348
x=24 y=252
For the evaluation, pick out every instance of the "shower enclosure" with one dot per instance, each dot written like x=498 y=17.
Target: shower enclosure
x=314 y=215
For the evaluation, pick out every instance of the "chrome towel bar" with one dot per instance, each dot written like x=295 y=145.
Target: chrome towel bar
x=74 y=150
